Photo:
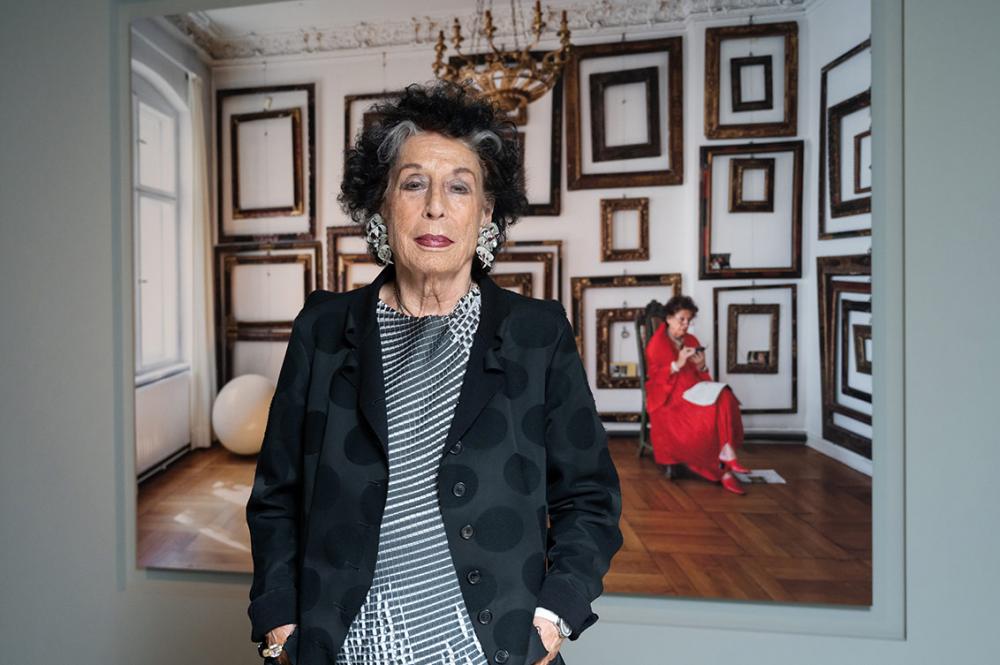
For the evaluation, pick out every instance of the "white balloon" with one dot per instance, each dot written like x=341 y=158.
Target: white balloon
x=239 y=414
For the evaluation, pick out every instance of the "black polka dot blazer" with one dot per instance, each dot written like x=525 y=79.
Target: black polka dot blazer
x=528 y=492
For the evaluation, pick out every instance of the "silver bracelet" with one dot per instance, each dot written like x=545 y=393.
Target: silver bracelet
x=271 y=650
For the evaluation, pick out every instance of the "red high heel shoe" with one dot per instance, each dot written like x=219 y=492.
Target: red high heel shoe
x=736 y=467
x=730 y=482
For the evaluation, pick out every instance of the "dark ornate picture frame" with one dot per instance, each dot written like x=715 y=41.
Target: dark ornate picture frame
x=532 y=250
x=308 y=166
x=859 y=140
x=333 y=236
x=828 y=269
x=674 y=174
x=710 y=267
x=737 y=167
x=835 y=116
x=824 y=232
x=237 y=119
x=605 y=318
x=862 y=335
x=226 y=257
x=599 y=83
x=367 y=117
x=714 y=37
x=736 y=67
x=794 y=345
x=734 y=365
x=608 y=209
x=849 y=337
x=254 y=333
x=522 y=281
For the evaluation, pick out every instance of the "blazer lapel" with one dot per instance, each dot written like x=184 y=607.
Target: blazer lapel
x=361 y=331
x=484 y=373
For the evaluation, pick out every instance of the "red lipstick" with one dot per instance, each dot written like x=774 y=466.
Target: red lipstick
x=428 y=240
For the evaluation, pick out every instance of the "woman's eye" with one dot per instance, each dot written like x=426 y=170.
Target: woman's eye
x=412 y=184
x=460 y=187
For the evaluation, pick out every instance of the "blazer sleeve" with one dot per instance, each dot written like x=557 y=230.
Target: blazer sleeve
x=583 y=492
x=273 y=511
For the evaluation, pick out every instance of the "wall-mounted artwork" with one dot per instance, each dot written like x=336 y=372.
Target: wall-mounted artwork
x=359 y=115
x=845 y=148
x=751 y=210
x=625 y=229
x=756 y=345
x=518 y=282
x=628 y=293
x=261 y=287
x=844 y=290
x=266 y=151
x=540 y=258
x=624 y=114
x=751 y=80
x=617 y=366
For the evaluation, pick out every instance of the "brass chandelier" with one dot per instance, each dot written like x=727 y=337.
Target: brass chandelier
x=510 y=79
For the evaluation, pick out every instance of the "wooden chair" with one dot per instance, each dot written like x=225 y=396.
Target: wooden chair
x=645 y=326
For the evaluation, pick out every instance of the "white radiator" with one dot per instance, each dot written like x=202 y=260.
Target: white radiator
x=162 y=420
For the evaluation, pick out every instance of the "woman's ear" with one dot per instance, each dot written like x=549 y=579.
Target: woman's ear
x=487 y=213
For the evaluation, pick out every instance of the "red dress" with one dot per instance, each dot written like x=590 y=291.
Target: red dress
x=682 y=432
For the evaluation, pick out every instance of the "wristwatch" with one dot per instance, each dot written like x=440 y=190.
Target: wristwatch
x=564 y=628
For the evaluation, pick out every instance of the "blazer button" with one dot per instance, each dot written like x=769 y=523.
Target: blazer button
x=501 y=656
x=456 y=449
x=466 y=532
x=458 y=489
x=473 y=576
x=485 y=616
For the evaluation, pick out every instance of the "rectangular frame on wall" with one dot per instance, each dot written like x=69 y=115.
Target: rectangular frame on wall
x=709 y=265
x=793 y=343
x=579 y=287
x=673 y=123
x=714 y=37
x=304 y=161
x=608 y=209
x=850 y=338
x=605 y=318
x=828 y=269
x=237 y=120
x=333 y=250
x=353 y=123
x=553 y=206
x=226 y=257
x=839 y=207
x=519 y=282
x=548 y=253
x=826 y=233
x=733 y=364
x=251 y=333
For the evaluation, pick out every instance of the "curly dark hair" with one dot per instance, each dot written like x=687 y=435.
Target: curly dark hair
x=677 y=303
x=451 y=110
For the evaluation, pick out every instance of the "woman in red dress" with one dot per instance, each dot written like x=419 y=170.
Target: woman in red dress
x=702 y=430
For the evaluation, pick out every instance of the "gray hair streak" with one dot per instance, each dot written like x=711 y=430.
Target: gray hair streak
x=394 y=138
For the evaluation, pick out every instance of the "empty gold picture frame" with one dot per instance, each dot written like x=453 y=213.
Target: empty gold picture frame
x=608 y=209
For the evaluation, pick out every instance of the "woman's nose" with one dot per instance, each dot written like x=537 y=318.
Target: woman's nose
x=434 y=205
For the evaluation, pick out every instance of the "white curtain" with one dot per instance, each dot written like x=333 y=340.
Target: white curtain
x=203 y=388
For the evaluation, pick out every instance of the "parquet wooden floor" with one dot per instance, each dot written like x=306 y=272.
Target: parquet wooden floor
x=807 y=541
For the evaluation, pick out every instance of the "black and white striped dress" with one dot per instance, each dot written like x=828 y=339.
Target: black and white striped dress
x=414 y=613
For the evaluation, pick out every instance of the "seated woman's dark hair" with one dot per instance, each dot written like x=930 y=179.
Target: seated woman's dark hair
x=450 y=110
x=678 y=303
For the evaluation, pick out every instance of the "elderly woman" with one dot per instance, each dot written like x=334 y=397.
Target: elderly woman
x=434 y=485
x=692 y=421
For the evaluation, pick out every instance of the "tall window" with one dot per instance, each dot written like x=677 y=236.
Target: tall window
x=157 y=229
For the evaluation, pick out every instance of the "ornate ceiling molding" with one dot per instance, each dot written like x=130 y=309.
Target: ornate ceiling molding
x=586 y=18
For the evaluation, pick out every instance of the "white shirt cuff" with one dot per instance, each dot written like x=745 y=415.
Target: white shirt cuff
x=547 y=614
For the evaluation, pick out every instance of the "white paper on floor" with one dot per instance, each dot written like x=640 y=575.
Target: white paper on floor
x=769 y=476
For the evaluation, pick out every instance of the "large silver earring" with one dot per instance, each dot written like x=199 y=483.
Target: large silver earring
x=377 y=237
x=486 y=244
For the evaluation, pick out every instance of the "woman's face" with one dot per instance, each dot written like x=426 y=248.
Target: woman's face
x=678 y=322
x=435 y=205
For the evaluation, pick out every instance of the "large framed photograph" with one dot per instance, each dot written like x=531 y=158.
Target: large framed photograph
x=625 y=229
x=845 y=148
x=625 y=115
x=627 y=295
x=751 y=80
x=751 y=210
x=756 y=345
x=844 y=299
x=266 y=152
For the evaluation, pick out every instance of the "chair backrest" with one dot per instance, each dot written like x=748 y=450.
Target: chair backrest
x=647 y=323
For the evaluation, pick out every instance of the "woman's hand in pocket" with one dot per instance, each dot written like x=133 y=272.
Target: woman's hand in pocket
x=549 y=633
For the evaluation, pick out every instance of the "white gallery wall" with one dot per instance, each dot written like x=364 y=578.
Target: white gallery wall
x=69 y=592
